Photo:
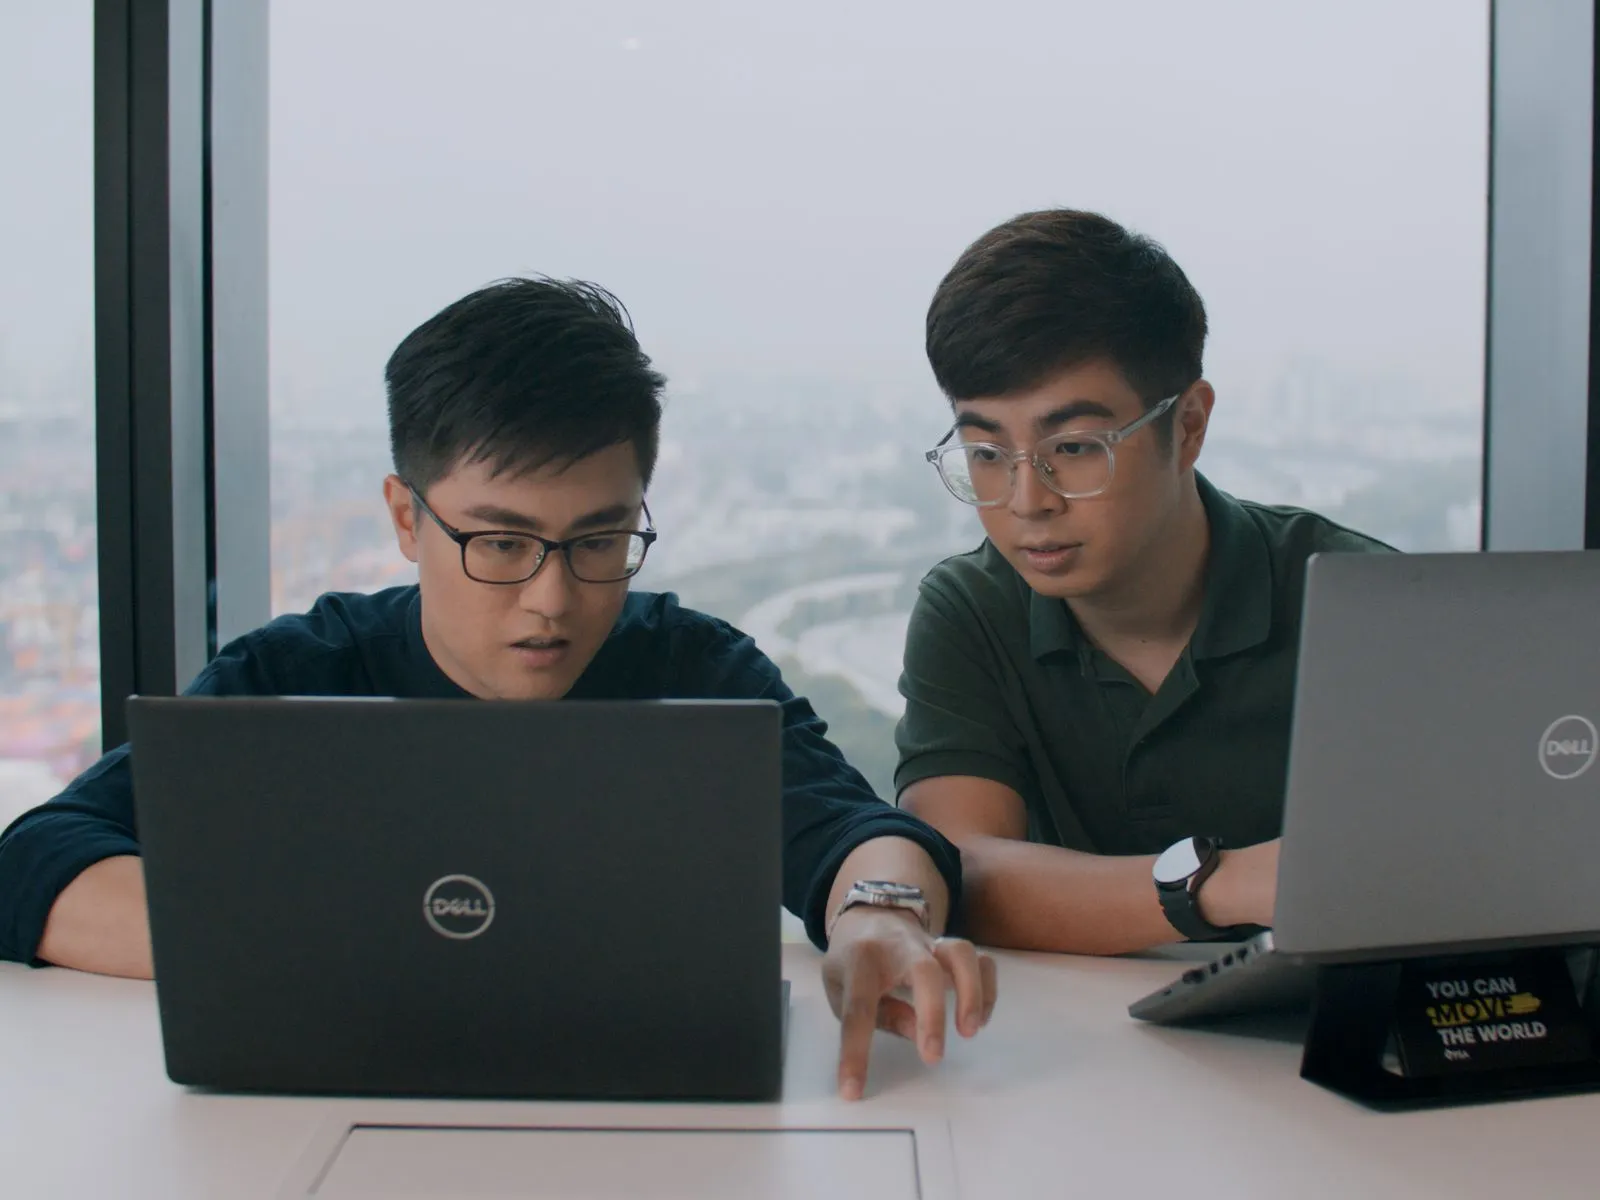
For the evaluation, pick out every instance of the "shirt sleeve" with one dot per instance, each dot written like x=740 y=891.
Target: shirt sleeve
x=958 y=702
x=48 y=847
x=828 y=807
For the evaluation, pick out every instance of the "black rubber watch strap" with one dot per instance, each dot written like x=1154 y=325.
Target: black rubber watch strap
x=1183 y=914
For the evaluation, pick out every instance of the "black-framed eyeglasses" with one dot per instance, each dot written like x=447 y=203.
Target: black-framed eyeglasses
x=508 y=556
x=1074 y=465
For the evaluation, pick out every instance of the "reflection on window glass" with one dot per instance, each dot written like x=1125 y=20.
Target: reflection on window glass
x=775 y=191
x=49 y=613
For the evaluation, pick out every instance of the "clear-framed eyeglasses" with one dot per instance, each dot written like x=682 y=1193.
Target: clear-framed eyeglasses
x=511 y=556
x=1074 y=465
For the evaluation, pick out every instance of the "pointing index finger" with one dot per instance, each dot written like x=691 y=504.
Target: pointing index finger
x=858 y=1017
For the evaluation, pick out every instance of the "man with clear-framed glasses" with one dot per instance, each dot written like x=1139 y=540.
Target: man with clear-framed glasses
x=524 y=425
x=1097 y=698
x=1076 y=464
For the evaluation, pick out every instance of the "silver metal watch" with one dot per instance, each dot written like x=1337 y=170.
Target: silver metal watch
x=883 y=894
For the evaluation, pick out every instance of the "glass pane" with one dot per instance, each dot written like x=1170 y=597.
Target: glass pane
x=502 y=558
x=611 y=557
x=49 y=608
x=775 y=190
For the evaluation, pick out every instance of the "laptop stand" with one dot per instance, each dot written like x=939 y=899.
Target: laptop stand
x=1354 y=1020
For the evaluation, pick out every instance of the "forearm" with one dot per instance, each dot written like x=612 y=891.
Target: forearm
x=99 y=922
x=1030 y=897
x=894 y=860
x=1026 y=896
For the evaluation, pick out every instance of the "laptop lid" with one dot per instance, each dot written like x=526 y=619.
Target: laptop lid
x=572 y=898
x=1442 y=786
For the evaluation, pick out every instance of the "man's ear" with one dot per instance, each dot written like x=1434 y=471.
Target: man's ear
x=402 y=514
x=1190 y=422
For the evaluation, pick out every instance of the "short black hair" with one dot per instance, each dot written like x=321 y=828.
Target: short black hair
x=520 y=374
x=1051 y=290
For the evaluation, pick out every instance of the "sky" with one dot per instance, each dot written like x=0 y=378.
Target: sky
x=776 y=189
x=46 y=204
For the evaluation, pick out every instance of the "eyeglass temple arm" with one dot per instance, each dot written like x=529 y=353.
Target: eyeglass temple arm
x=1138 y=423
x=930 y=455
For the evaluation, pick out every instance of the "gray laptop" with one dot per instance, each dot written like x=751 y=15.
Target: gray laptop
x=465 y=898
x=1443 y=793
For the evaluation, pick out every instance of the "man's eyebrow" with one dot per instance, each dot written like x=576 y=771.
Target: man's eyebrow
x=1071 y=411
x=502 y=518
x=1060 y=415
x=971 y=420
x=609 y=517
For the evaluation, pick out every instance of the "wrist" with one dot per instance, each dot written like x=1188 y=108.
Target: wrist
x=866 y=918
x=1229 y=897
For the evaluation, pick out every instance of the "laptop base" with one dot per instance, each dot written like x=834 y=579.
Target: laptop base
x=1241 y=980
x=1353 y=1018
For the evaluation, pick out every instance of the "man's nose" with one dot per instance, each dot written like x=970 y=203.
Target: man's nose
x=550 y=592
x=1030 y=498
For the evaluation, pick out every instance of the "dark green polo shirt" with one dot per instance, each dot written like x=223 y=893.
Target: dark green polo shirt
x=1001 y=683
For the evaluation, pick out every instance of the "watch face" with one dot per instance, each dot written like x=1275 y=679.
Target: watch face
x=1179 y=862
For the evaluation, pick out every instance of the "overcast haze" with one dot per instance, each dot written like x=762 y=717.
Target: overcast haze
x=779 y=189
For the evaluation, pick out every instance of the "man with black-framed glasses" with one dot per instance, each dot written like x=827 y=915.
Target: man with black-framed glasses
x=508 y=556
x=1097 y=698
x=524 y=422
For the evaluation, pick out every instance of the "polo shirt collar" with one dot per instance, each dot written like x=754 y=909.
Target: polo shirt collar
x=1236 y=613
x=1052 y=629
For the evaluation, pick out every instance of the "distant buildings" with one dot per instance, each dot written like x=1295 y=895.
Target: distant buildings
x=766 y=489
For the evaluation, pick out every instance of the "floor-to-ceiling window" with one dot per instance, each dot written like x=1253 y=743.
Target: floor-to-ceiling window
x=774 y=191
x=49 y=650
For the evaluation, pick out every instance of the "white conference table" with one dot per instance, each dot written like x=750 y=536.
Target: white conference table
x=1062 y=1095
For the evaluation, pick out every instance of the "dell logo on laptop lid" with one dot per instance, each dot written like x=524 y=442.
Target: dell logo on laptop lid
x=1568 y=747
x=458 y=906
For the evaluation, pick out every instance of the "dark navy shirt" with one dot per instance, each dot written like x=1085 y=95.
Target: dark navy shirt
x=360 y=645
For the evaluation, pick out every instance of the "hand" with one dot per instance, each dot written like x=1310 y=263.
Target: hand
x=1243 y=890
x=874 y=953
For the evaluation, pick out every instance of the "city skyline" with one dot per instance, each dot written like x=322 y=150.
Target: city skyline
x=818 y=562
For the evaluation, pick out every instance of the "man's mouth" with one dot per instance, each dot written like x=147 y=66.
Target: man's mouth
x=1049 y=557
x=541 y=651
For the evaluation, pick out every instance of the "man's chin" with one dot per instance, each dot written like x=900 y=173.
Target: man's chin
x=1068 y=583
x=522 y=687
